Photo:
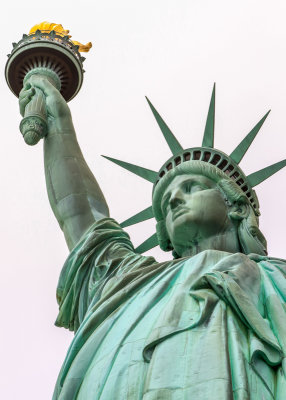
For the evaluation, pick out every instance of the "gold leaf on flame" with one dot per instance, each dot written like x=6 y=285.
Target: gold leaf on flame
x=47 y=27
x=83 y=47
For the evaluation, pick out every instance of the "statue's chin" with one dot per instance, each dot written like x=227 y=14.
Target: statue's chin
x=184 y=231
x=188 y=231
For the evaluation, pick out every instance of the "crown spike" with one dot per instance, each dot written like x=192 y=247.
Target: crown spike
x=139 y=217
x=172 y=142
x=239 y=152
x=145 y=173
x=148 y=244
x=257 y=177
x=208 y=140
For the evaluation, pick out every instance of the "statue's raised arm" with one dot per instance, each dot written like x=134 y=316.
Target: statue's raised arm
x=74 y=194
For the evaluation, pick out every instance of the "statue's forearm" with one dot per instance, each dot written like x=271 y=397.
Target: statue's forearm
x=74 y=194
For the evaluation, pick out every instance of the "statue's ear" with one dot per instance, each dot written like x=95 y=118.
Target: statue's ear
x=239 y=210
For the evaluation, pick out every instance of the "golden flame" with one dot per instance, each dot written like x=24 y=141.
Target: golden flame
x=47 y=27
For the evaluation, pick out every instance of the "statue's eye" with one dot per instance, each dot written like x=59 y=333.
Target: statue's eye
x=192 y=187
x=187 y=187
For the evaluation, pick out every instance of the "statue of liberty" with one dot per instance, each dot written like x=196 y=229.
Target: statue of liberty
x=208 y=324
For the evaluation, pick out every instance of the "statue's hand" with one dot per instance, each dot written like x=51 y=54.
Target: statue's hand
x=58 y=112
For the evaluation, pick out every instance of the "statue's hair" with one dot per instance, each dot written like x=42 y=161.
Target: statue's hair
x=250 y=237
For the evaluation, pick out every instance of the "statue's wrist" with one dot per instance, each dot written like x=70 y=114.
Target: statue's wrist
x=63 y=144
x=60 y=132
x=61 y=126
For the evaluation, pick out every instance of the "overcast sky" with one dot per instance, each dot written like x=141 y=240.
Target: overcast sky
x=171 y=51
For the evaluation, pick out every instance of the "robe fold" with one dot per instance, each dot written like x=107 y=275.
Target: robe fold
x=211 y=326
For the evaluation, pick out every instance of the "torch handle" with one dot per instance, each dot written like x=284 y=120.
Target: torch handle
x=34 y=125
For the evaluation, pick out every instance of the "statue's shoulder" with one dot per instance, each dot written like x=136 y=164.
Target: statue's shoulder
x=259 y=258
x=280 y=263
x=267 y=261
x=275 y=260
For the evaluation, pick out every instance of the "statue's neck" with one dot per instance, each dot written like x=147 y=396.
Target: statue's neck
x=226 y=241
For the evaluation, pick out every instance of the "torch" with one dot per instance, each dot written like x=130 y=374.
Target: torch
x=47 y=51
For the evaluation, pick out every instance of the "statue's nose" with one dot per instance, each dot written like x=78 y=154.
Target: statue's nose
x=176 y=199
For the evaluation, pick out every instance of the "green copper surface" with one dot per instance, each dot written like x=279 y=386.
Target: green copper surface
x=171 y=140
x=148 y=244
x=208 y=154
x=139 y=217
x=228 y=164
x=208 y=139
x=34 y=125
x=144 y=173
x=243 y=146
x=209 y=324
x=259 y=176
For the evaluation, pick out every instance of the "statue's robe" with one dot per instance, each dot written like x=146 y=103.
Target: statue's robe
x=211 y=326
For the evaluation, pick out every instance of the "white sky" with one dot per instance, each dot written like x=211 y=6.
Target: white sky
x=171 y=51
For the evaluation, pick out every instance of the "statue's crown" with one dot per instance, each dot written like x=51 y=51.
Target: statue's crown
x=229 y=165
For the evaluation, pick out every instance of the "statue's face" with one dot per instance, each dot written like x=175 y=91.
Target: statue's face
x=194 y=209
